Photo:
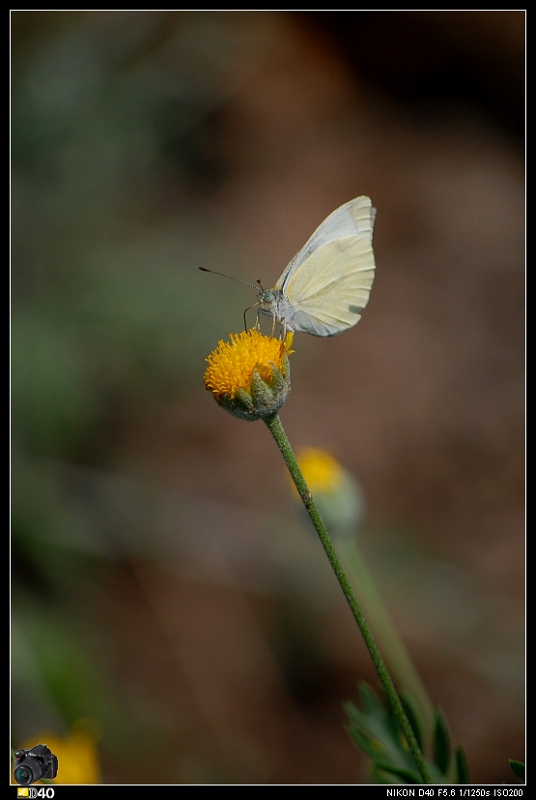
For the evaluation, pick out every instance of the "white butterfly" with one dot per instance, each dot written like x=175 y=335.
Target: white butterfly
x=327 y=284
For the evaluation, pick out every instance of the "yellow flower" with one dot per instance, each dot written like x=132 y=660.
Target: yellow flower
x=321 y=471
x=337 y=494
x=78 y=760
x=250 y=376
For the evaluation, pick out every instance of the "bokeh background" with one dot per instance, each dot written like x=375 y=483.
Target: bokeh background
x=166 y=599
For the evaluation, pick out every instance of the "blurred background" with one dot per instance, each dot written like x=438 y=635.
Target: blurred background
x=168 y=604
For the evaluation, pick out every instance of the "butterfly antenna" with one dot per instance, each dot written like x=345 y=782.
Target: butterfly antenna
x=223 y=275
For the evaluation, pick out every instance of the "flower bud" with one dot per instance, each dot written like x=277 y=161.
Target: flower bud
x=338 y=496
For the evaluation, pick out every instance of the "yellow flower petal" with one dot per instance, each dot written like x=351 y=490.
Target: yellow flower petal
x=231 y=365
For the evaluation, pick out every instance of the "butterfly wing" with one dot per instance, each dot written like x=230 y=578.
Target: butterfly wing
x=328 y=282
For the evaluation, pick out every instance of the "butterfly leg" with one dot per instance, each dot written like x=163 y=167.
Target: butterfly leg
x=257 y=323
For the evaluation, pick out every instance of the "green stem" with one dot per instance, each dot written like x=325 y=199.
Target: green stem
x=276 y=429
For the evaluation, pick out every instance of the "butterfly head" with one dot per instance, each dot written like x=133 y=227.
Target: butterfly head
x=267 y=297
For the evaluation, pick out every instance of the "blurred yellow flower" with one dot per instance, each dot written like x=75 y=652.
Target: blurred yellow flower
x=337 y=494
x=321 y=471
x=250 y=376
x=78 y=760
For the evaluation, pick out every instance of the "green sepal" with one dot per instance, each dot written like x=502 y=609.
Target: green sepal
x=244 y=399
x=264 y=398
x=262 y=392
x=280 y=377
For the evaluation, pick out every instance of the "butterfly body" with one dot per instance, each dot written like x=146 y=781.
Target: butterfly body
x=326 y=286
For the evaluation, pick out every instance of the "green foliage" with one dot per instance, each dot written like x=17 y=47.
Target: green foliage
x=374 y=729
x=462 y=768
x=518 y=768
x=441 y=742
